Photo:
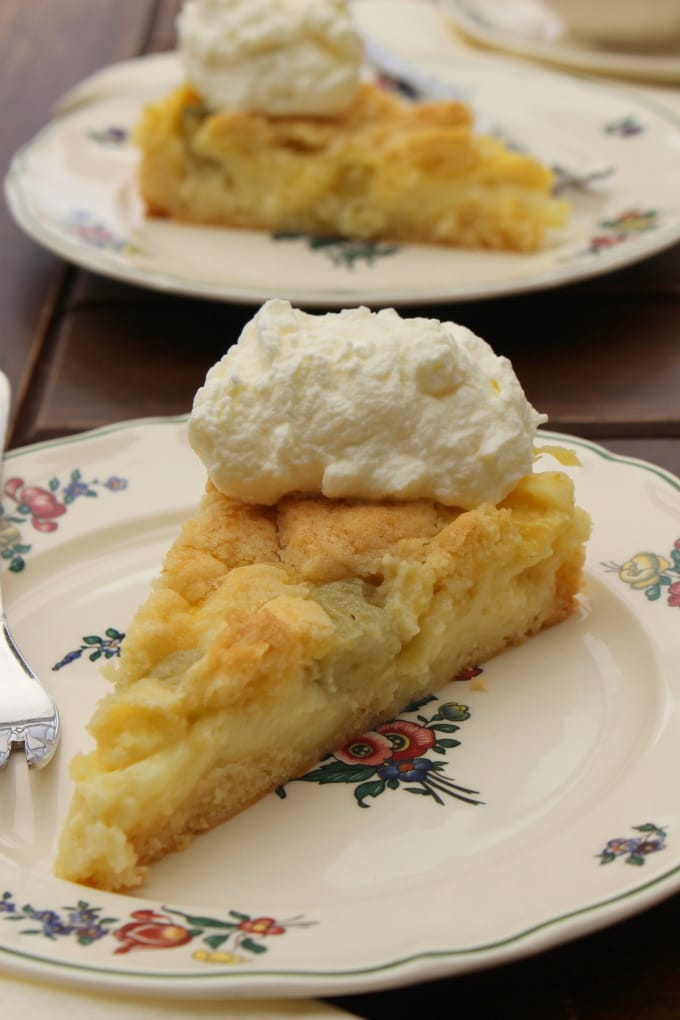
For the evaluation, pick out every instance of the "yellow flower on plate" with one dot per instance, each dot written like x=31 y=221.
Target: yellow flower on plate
x=9 y=534
x=218 y=956
x=643 y=570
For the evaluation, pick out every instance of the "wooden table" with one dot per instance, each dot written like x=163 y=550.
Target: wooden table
x=601 y=358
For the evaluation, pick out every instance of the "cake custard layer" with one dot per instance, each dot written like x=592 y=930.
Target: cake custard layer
x=382 y=168
x=276 y=634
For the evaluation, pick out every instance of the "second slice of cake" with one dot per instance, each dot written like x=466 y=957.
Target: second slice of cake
x=275 y=130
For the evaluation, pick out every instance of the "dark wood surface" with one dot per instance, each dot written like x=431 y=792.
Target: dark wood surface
x=601 y=358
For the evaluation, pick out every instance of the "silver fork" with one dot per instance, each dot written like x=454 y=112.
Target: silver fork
x=28 y=715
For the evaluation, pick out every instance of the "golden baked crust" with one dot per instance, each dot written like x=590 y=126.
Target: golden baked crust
x=275 y=635
x=384 y=169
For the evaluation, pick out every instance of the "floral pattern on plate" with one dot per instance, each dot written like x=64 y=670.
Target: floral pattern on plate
x=111 y=135
x=41 y=506
x=625 y=127
x=622 y=228
x=96 y=646
x=634 y=849
x=395 y=755
x=87 y=227
x=233 y=939
x=653 y=574
x=344 y=252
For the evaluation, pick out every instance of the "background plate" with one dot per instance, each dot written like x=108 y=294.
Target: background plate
x=72 y=188
x=571 y=742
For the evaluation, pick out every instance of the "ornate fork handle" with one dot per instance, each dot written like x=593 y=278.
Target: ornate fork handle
x=28 y=714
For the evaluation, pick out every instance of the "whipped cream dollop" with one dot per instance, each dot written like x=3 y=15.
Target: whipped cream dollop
x=365 y=405
x=275 y=57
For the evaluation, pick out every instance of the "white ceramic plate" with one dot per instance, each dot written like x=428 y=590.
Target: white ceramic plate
x=529 y=28
x=571 y=743
x=72 y=188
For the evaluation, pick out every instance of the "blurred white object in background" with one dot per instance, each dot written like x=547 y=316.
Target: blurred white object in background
x=624 y=24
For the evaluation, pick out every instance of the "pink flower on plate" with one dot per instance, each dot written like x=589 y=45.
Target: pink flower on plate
x=151 y=930
x=41 y=503
x=674 y=594
x=407 y=739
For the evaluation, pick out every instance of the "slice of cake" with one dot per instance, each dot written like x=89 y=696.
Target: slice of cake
x=363 y=550
x=385 y=168
x=276 y=132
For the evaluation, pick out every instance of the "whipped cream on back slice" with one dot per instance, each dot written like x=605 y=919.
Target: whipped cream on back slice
x=278 y=57
x=365 y=405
